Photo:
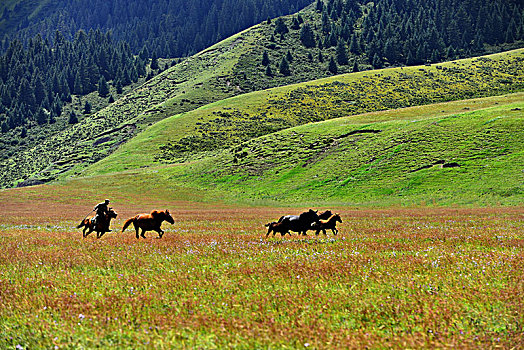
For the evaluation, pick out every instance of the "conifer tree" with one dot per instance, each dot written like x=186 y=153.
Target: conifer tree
x=87 y=107
x=377 y=62
x=284 y=67
x=78 y=88
x=269 y=71
x=354 y=46
x=154 y=62
x=289 y=57
x=41 y=116
x=118 y=86
x=342 y=56
x=73 y=119
x=280 y=26
x=332 y=66
x=307 y=37
x=320 y=57
x=265 y=59
x=295 y=24
x=103 y=88
x=355 y=65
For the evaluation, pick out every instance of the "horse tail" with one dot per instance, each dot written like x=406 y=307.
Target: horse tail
x=127 y=223
x=267 y=225
x=81 y=224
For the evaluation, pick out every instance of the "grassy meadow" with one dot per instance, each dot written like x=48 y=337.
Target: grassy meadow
x=396 y=277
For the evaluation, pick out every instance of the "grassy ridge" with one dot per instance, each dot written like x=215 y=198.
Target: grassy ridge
x=474 y=157
x=468 y=158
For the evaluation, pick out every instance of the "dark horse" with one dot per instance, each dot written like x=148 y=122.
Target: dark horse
x=149 y=222
x=100 y=226
x=300 y=223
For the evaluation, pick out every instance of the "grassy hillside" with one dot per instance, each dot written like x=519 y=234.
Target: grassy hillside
x=217 y=145
x=428 y=155
x=211 y=75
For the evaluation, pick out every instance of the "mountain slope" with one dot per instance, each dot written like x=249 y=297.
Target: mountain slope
x=226 y=124
x=461 y=152
x=231 y=67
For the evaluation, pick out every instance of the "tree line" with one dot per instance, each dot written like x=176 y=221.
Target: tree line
x=416 y=31
x=37 y=80
x=165 y=28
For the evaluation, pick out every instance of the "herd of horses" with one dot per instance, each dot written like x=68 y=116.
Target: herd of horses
x=309 y=220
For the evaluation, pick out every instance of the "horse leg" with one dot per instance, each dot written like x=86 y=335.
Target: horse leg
x=137 y=229
x=335 y=231
x=160 y=232
x=143 y=233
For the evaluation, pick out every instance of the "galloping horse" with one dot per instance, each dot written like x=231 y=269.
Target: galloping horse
x=149 y=222
x=300 y=223
x=330 y=223
x=100 y=226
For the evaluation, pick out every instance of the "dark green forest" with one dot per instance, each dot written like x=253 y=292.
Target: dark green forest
x=38 y=80
x=416 y=31
x=165 y=28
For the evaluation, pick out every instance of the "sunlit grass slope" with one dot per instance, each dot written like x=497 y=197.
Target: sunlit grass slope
x=438 y=152
x=428 y=155
x=228 y=123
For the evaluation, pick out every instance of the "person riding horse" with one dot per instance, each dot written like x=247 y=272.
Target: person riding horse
x=101 y=210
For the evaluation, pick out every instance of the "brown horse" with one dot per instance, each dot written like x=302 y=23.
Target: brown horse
x=277 y=227
x=330 y=223
x=100 y=226
x=149 y=222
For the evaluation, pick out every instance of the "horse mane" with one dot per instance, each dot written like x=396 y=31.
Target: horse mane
x=159 y=213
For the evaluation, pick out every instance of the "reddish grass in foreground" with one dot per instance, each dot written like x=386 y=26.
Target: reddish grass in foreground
x=391 y=278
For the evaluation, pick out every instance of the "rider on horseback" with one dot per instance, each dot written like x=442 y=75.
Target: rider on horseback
x=101 y=210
